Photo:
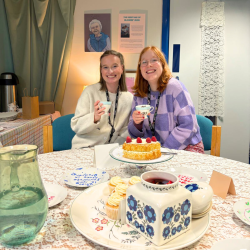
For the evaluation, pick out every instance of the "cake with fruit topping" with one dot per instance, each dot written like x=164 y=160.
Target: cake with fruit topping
x=141 y=149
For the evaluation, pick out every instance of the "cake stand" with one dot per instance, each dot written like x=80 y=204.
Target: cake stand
x=141 y=166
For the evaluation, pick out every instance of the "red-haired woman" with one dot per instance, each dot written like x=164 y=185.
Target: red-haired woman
x=173 y=121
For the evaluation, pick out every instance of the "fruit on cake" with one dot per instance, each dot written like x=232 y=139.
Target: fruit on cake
x=141 y=149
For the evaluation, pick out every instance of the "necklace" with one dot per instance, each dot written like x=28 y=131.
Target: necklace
x=115 y=111
x=152 y=125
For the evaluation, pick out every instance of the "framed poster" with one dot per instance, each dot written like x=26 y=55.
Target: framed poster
x=97 y=32
x=130 y=79
x=131 y=33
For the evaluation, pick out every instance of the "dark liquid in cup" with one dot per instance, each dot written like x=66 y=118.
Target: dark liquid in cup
x=159 y=181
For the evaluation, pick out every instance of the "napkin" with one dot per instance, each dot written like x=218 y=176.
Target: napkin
x=102 y=159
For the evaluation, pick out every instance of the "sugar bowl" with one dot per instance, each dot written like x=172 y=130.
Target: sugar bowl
x=202 y=195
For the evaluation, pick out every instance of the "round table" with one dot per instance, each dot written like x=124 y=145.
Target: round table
x=58 y=231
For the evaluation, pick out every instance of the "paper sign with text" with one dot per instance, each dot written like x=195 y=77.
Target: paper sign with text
x=102 y=159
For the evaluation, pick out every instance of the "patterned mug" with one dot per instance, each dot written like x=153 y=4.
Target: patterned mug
x=144 y=109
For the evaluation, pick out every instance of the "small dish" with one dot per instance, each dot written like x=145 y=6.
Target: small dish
x=232 y=244
x=85 y=177
x=202 y=195
x=8 y=116
x=55 y=193
x=187 y=175
x=242 y=210
x=1 y=129
x=197 y=216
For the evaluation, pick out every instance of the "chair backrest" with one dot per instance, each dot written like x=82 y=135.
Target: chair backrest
x=211 y=135
x=206 y=130
x=62 y=133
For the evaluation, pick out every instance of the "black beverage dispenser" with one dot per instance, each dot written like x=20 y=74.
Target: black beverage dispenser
x=8 y=90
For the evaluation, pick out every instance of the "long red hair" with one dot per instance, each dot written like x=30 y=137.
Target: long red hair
x=140 y=88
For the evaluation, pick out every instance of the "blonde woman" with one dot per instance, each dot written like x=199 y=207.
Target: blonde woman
x=91 y=124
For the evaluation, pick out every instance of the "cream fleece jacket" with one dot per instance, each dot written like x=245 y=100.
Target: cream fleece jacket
x=89 y=133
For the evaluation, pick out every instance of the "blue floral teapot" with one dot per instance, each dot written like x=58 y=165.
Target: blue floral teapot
x=158 y=207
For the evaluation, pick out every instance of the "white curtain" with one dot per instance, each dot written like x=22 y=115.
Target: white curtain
x=211 y=83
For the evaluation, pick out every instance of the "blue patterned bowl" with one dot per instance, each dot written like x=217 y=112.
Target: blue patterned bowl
x=202 y=194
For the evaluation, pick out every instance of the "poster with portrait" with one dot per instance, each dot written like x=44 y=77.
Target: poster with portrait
x=97 y=32
x=131 y=35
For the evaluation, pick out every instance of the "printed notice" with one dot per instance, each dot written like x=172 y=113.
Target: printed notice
x=131 y=33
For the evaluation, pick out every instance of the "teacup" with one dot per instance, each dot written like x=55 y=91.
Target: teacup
x=144 y=109
x=107 y=105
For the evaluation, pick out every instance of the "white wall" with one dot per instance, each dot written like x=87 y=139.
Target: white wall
x=84 y=66
x=185 y=30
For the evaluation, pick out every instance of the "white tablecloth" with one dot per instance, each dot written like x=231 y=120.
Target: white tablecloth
x=58 y=231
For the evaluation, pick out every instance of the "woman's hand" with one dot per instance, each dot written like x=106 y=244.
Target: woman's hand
x=137 y=117
x=99 y=111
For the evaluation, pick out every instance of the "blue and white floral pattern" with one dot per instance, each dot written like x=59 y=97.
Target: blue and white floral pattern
x=137 y=225
x=146 y=215
x=177 y=217
x=174 y=231
x=173 y=215
x=192 y=187
x=84 y=177
x=150 y=230
x=142 y=228
x=143 y=217
x=187 y=221
x=179 y=228
x=129 y=216
x=168 y=215
x=166 y=232
x=132 y=203
x=185 y=207
x=149 y=213
x=140 y=214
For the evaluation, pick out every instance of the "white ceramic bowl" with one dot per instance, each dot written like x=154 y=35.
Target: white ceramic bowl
x=156 y=174
x=202 y=194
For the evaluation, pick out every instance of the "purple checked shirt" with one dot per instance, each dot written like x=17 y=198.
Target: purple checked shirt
x=176 y=125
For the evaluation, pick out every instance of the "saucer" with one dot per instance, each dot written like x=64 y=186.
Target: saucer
x=55 y=193
x=187 y=175
x=85 y=177
x=8 y=116
x=232 y=244
x=242 y=210
x=197 y=216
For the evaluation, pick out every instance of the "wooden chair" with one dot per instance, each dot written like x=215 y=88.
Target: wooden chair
x=211 y=135
x=58 y=136
x=47 y=139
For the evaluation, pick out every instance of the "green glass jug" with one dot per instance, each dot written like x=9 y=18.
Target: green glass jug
x=23 y=199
